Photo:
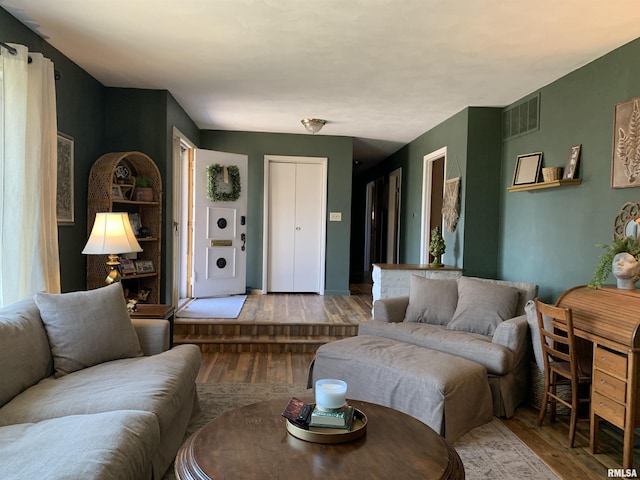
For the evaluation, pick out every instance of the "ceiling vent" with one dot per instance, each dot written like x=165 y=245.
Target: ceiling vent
x=522 y=118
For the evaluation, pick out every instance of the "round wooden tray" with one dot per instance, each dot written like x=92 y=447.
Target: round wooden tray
x=331 y=435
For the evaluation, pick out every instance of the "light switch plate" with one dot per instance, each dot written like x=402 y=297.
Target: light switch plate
x=335 y=216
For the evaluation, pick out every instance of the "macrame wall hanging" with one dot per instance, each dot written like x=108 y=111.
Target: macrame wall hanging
x=451 y=200
x=451 y=204
x=223 y=183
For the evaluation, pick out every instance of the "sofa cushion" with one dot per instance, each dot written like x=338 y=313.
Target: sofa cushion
x=160 y=384
x=431 y=300
x=87 y=328
x=482 y=306
x=497 y=359
x=107 y=446
x=24 y=349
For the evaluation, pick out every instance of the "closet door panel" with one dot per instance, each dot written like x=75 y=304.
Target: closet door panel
x=282 y=211
x=308 y=218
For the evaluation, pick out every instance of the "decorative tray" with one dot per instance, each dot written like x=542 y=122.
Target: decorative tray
x=331 y=435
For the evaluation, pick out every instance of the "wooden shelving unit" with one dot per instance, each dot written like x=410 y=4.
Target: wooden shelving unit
x=102 y=177
x=542 y=185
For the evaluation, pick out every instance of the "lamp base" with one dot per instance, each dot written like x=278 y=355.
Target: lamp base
x=114 y=273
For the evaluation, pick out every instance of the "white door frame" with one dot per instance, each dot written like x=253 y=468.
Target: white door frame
x=180 y=204
x=268 y=159
x=427 y=177
x=393 y=233
x=367 y=225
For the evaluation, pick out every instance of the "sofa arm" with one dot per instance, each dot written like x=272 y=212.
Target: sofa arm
x=513 y=334
x=390 y=310
x=153 y=335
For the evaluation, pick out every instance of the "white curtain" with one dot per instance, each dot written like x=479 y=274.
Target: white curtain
x=29 y=259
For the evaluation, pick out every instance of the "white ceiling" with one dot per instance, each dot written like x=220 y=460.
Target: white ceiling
x=381 y=71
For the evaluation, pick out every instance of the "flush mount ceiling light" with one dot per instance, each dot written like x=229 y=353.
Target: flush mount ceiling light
x=313 y=125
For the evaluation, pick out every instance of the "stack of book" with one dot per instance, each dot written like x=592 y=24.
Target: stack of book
x=305 y=415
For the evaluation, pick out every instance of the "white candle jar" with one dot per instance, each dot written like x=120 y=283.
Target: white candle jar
x=331 y=394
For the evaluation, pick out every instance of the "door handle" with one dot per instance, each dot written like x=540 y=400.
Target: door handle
x=243 y=237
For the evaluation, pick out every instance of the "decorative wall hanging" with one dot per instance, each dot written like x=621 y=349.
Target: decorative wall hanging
x=223 y=183
x=451 y=203
x=64 y=195
x=625 y=161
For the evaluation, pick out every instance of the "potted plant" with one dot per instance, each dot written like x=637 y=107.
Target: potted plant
x=144 y=192
x=630 y=245
x=437 y=247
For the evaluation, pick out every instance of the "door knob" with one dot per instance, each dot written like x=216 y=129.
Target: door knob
x=298 y=228
x=243 y=237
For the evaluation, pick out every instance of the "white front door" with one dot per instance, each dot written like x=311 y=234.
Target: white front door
x=219 y=227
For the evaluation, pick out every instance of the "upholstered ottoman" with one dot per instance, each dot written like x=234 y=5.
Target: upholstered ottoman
x=448 y=393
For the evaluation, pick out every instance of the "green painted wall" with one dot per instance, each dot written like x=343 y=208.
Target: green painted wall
x=549 y=236
x=472 y=138
x=143 y=120
x=339 y=151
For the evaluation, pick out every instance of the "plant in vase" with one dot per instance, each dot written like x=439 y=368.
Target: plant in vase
x=620 y=258
x=144 y=192
x=437 y=247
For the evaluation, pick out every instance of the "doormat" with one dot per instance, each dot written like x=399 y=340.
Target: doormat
x=213 y=307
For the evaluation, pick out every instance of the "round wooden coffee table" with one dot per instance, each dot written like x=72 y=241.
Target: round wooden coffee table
x=252 y=442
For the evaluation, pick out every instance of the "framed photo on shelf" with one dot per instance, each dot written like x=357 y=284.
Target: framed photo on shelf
x=144 y=266
x=571 y=168
x=127 y=266
x=116 y=192
x=527 y=169
x=134 y=220
x=64 y=195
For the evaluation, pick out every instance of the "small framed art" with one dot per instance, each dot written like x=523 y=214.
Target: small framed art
x=527 y=169
x=64 y=192
x=116 y=192
x=127 y=267
x=144 y=266
x=570 y=170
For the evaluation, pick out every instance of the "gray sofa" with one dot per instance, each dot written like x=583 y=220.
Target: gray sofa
x=87 y=393
x=477 y=319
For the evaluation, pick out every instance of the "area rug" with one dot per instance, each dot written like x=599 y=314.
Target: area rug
x=489 y=451
x=214 y=307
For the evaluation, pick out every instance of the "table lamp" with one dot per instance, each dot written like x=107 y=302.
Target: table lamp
x=111 y=234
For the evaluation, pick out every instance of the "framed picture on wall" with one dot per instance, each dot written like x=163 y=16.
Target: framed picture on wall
x=527 y=169
x=625 y=168
x=64 y=195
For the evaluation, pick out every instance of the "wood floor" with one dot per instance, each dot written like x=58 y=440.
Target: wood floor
x=549 y=442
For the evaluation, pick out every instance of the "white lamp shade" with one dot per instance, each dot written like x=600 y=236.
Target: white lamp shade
x=111 y=233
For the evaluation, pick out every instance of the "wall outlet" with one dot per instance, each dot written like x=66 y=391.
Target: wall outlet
x=335 y=216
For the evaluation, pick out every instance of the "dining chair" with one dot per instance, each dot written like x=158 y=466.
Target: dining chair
x=562 y=365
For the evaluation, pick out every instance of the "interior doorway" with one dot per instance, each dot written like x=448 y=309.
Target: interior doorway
x=375 y=224
x=393 y=215
x=433 y=173
x=181 y=221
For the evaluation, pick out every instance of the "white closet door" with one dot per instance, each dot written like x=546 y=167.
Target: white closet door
x=282 y=214
x=296 y=234
x=308 y=217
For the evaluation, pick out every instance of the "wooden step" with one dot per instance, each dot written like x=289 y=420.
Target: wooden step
x=253 y=337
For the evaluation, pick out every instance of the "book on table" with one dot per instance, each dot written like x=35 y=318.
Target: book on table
x=342 y=418
x=305 y=415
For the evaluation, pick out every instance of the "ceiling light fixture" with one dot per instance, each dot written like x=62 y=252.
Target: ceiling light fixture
x=313 y=125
